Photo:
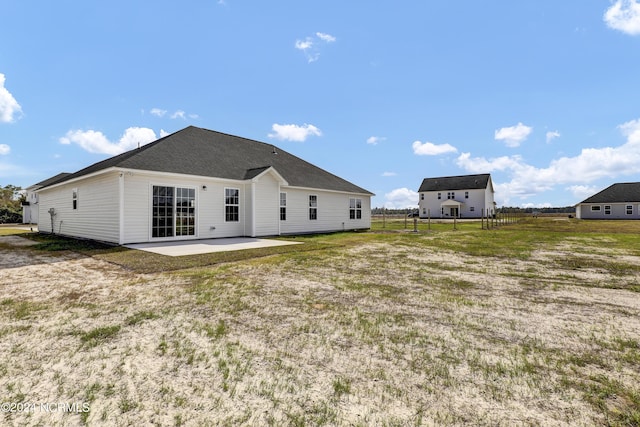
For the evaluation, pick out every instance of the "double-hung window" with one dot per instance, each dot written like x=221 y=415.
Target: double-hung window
x=607 y=209
x=313 y=207
x=629 y=209
x=74 y=198
x=283 y=206
x=355 y=208
x=231 y=204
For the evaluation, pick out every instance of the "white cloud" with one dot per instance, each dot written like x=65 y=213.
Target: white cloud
x=294 y=132
x=430 y=149
x=513 y=136
x=551 y=135
x=386 y=174
x=326 y=37
x=375 y=140
x=164 y=133
x=401 y=198
x=309 y=45
x=158 y=112
x=590 y=165
x=179 y=115
x=624 y=15
x=581 y=192
x=96 y=142
x=9 y=107
x=4 y=149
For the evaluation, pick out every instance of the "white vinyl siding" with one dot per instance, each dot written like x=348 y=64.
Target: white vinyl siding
x=267 y=209
x=97 y=208
x=333 y=212
x=474 y=203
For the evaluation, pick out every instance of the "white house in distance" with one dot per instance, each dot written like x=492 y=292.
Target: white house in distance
x=466 y=196
x=618 y=201
x=30 y=205
x=195 y=184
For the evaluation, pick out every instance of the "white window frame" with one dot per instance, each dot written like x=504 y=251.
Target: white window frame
x=629 y=209
x=313 y=207
x=283 y=206
x=74 y=199
x=231 y=205
x=355 y=208
x=607 y=209
x=596 y=208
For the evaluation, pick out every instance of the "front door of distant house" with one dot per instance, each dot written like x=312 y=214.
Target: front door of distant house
x=454 y=212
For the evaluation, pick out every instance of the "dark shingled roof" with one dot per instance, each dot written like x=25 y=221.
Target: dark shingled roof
x=617 y=193
x=463 y=182
x=52 y=180
x=203 y=152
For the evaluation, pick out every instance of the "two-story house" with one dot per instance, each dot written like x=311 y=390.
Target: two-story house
x=466 y=196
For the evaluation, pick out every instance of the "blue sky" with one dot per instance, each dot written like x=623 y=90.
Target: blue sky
x=542 y=94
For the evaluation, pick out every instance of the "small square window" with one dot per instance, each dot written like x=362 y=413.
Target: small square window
x=629 y=209
x=607 y=209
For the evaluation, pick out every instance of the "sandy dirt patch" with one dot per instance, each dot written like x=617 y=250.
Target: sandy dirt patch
x=376 y=334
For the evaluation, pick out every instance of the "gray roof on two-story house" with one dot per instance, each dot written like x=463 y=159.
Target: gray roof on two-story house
x=203 y=152
x=462 y=182
x=626 y=192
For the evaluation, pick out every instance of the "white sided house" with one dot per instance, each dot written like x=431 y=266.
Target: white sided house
x=200 y=184
x=618 y=201
x=30 y=205
x=466 y=196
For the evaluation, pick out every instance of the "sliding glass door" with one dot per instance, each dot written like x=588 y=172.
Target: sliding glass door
x=173 y=211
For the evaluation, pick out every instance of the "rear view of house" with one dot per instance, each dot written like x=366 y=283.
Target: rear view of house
x=618 y=201
x=196 y=184
x=466 y=196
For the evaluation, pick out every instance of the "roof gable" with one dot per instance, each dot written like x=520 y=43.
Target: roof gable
x=203 y=152
x=617 y=193
x=462 y=182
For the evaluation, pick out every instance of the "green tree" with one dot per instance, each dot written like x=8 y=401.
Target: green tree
x=11 y=198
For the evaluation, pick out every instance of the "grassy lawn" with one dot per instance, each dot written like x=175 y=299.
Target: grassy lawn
x=532 y=323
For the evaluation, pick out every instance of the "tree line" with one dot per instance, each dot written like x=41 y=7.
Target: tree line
x=11 y=198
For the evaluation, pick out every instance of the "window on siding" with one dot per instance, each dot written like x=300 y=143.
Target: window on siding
x=629 y=209
x=466 y=194
x=355 y=208
x=231 y=204
x=74 y=198
x=283 y=206
x=313 y=207
x=595 y=208
x=439 y=196
x=607 y=209
x=421 y=196
x=451 y=195
x=472 y=209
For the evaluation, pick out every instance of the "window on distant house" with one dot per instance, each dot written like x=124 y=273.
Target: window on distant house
x=283 y=206
x=421 y=196
x=313 y=207
x=595 y=208
x=231 y=204
x=424 y=211
x=629 y=209
x=466 y=194
x=472 y=209
x=451 y=195
x=74 y=198
x=355 y=208
x=607 y=209
x=439 y=196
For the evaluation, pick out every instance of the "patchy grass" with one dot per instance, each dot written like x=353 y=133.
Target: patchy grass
x=532 y=323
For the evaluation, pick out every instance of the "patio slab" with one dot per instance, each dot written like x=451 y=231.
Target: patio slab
x=197 y=247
